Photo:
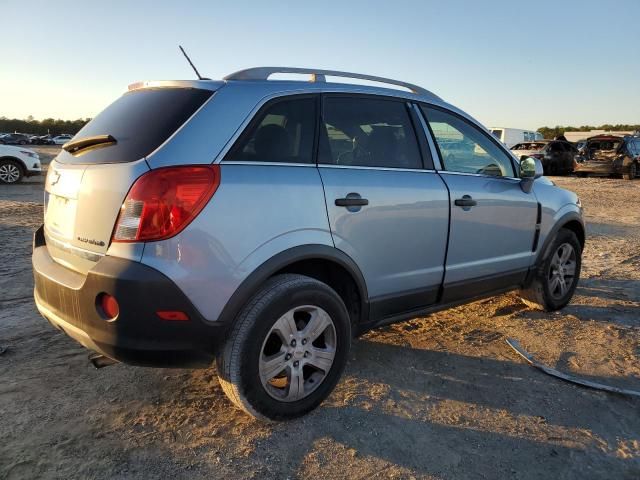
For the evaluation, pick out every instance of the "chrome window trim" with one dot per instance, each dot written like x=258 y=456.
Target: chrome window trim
x=278 y=164
x=384 y=169
x=484 y=175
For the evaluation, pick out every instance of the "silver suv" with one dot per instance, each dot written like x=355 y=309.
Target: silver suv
x=265 y=223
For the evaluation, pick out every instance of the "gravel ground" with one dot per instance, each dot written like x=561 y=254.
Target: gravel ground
x=435 y=397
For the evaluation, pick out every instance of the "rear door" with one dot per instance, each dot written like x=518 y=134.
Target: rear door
x=386 y=211
x=492 y=220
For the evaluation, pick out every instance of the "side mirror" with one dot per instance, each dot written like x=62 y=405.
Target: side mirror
x=530 y=169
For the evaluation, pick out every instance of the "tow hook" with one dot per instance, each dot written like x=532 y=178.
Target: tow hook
x=100 y=361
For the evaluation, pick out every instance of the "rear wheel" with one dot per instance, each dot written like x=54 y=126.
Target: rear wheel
x=287 y=349
x=10 y=171
x=557 y=277
x=632 y=173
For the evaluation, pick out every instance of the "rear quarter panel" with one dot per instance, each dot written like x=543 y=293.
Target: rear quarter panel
x=257 y=212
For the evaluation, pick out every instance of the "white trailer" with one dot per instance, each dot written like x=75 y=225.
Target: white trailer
x=511 y=136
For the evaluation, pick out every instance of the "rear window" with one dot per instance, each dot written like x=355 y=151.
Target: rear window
x=140 y=121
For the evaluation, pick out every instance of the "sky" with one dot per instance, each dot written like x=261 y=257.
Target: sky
x=507 y=63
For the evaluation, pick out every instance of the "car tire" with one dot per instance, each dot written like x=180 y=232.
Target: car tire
x=10 y=171
x=263 y=341
x=549 y=290
x=632 y=173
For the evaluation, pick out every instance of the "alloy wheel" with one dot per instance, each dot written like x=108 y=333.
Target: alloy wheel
x=9 y=173
x=562 y=270
x=297 y=353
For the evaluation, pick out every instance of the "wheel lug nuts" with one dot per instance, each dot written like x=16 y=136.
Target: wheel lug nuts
x=296 y=363
x=304 y=341
x=293 y=343
x=306 y=354
x=287 y=356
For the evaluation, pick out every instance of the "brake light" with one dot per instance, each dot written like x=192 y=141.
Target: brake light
x=162 y=202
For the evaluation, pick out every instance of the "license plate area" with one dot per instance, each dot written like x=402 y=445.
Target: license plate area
x=60 y=215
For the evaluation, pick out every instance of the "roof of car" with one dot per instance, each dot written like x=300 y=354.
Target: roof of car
x=318 y=82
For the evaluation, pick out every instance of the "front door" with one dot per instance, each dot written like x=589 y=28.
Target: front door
x=386 y=211
x=493 y=221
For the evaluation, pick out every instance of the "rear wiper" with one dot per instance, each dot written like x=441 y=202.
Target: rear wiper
x=75 y=146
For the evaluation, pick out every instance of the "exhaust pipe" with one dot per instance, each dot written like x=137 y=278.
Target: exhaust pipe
x=100 y=361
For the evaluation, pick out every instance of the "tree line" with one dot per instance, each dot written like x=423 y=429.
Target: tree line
x=42 y=127
x=553 y=132
x=58 y=126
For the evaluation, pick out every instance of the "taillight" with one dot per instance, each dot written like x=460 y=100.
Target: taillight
x=162 y=202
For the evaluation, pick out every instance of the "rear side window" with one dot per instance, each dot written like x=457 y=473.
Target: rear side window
x=367 y=132
x=140 y=121
x=283 y=132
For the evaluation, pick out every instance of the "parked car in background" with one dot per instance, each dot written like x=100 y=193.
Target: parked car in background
x=42 y=140
x=272 y=241
x=511 y=136
x=557 y=156
x=61 y=139
x=18 y=162
x=15 y=139
x=609 y=155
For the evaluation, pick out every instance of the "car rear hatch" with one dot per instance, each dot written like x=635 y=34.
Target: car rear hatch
x=88 y=181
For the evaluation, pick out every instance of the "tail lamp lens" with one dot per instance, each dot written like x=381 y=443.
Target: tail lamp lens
x=162 y=202
x=108 y=306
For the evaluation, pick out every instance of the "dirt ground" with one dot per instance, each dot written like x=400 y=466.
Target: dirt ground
x=436 y=397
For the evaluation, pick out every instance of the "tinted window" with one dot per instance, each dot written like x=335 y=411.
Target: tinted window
x=368 y=132
x=140 y=121
x=282 y=132
x=465 y=148
x=497 y=133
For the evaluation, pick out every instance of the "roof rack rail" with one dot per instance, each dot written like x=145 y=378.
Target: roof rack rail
x=263 y=73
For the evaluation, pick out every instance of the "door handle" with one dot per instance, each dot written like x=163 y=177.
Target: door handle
x=351 y=200
x=465 y=201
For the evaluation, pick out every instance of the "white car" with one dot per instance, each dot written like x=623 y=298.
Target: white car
x=18 y=162
x=61 y=139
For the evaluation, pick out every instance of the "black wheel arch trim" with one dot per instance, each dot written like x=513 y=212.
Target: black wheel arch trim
x=560 y=223
x=284 y=259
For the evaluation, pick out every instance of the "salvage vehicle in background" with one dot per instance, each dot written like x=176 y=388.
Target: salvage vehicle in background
x=268 y=242
x=511 y=136
x=14 y=139
x=557 y=156
x=17 y=163
x=609 y=155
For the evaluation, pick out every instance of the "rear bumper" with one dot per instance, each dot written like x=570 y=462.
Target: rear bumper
x=137 y=336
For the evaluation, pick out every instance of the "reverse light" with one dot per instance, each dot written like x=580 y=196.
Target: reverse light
x=162 y=202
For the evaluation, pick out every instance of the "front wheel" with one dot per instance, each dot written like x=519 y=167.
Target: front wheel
x=557 y=277
x=287 y=349
x=10 y=171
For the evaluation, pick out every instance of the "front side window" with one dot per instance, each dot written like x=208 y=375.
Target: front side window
x=464 y=148
x=367 y=132
x=283 y=132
